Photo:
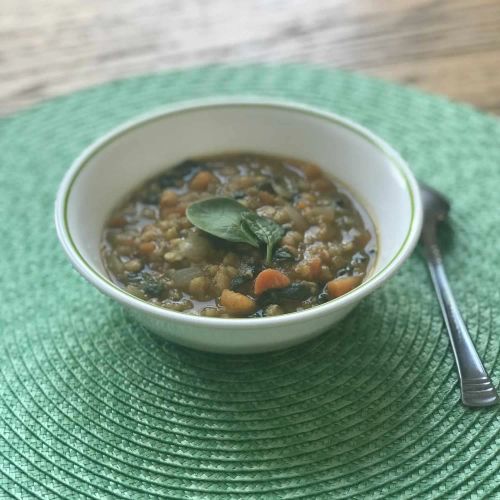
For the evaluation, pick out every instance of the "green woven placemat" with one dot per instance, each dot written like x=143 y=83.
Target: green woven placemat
x=94 y=406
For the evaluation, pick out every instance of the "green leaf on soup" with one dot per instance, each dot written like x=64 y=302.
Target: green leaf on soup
x=230 y=220
x=266 y=230
x=221 y=217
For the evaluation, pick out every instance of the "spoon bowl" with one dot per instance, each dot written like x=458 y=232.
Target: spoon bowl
x=436 y=205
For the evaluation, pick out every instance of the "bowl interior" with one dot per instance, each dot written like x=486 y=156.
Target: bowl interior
x=109 y=171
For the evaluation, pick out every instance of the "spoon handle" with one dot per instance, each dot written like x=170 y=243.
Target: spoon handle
x=476 y=385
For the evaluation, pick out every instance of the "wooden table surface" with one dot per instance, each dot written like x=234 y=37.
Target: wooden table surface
x=52 y=47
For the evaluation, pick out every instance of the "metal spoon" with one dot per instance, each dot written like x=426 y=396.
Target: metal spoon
x=477 y=388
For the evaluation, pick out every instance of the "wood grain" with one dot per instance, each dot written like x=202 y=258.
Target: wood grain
x=52 y=47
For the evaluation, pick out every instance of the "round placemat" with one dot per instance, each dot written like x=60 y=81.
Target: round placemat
x=94 y=406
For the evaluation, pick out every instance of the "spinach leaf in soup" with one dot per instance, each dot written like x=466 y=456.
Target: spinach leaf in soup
x=297 y=291
x=230 y=220
x=266 y=230
x=221 y=217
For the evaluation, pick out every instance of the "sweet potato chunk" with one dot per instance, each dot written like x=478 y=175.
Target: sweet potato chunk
x=236 y=303
x=340 y=286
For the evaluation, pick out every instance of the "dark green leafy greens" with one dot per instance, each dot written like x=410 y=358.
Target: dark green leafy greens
x=298 y=291
x=239 y=281
x=150 y=284
x=221 y=217
x=282 y=254
x=230 y=220
x=246 y=275
x=266 y=230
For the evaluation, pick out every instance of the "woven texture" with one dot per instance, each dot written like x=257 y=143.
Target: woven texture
x=94 y=406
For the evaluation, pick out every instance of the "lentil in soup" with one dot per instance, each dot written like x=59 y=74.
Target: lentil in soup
x=239 y=235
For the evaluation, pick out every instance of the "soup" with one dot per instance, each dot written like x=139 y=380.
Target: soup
x=239 y=235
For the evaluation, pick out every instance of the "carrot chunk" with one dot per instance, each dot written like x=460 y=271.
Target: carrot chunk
x=237 y=303
x=201 y=180
x=270 y=278
x=340 y=286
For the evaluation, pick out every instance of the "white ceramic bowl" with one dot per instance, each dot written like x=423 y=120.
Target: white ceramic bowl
x=120 y=161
